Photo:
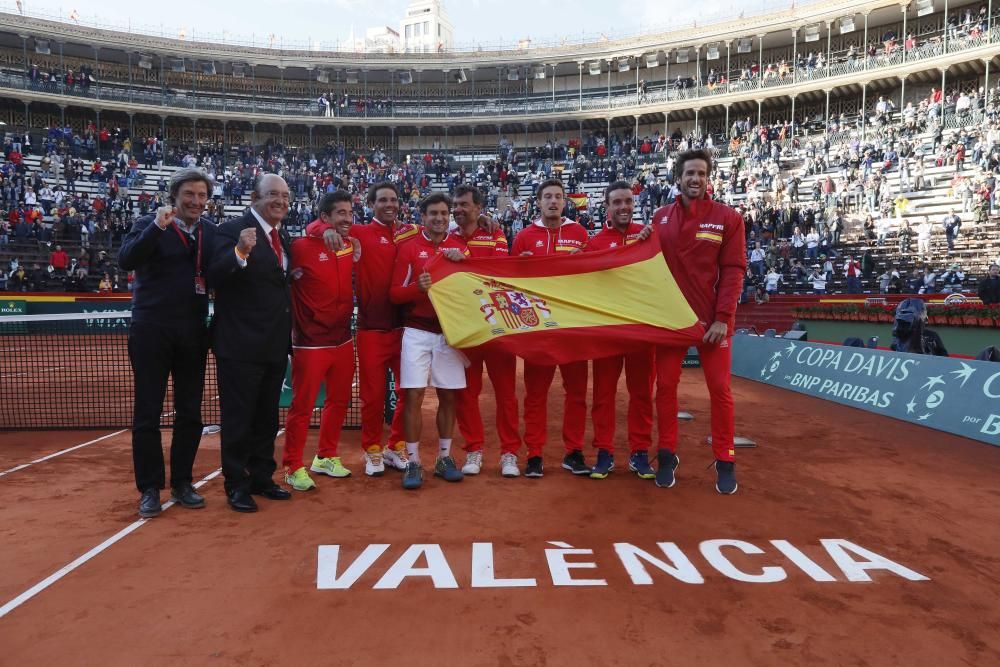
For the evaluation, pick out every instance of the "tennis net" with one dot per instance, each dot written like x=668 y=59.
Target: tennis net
x=72 y=371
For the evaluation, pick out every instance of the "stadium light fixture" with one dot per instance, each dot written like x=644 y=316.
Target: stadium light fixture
x=846 y=25
x=460 y=76
x=712 y=51
x=682 y=55
x=406 y=77
x=653 y=59
x=624 y=64
x=744 y=44
x=925 y=7
x=145 y=62
x=811 y=33
x=539 y=71
x=42 y=46
x=594 y=67
x=177 y=65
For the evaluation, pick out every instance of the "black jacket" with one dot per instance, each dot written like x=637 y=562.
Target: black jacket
x=989 y=289
x=164 y=288
x=252 y=320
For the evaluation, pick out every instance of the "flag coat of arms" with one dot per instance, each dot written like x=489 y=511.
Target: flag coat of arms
x=553 y=310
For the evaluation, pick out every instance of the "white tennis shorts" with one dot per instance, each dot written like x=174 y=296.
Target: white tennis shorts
x=427 y=357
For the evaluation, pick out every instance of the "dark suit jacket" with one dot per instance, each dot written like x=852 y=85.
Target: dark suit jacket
x=253 y=320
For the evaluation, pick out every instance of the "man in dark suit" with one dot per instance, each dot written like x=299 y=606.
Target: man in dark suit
x=169 y=252
x=251 y=335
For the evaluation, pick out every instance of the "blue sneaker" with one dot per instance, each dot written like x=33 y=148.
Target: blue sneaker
x=667 y=463
x=605 y=464
x=725 y=481
x=639 y=464
x=445 y=467
x=413 y=476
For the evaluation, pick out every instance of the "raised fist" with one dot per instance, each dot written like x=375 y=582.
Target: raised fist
x=164 y=216
x=247 y=240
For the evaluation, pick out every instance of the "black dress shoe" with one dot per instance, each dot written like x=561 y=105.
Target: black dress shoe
x=149 y=504
x=241 y=501
x=186 y=496
x=272 y=492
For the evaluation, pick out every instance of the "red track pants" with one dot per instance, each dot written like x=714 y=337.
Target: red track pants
x=378 y=351
x=502 y=369
x=640 y=370
x=310 y=367
x=715 y=364
x=537 y=380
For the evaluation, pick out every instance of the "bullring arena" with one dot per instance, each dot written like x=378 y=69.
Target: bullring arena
x=858 y=535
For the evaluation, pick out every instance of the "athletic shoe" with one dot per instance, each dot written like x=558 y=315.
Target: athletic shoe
x=473 y=463
x=575 y=464
x=374 y=467
x=445 y=467
x=508 y=465
x=413 y=476
x=299 y=480
x=725 y=481
x=395 y=456
x=330 y=466
x=667 y=463
x=534 y=467
x=605 y=464
x=639 y=464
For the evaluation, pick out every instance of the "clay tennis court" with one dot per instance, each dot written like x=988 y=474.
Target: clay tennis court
x=215 y=587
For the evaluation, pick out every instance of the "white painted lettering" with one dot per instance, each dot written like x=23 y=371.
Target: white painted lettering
x=712 y=551
x=559 y=568
x=677 y=566
x=992 y=425
x=857 y=570
x=484 y=573
x=988 y=386
x=437 y=568
x=326 y=566
x=802 y=561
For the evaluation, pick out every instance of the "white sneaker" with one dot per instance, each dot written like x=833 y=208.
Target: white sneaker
x=373 y=462
x=395 y=457
x=473 y=463
x=508 y=466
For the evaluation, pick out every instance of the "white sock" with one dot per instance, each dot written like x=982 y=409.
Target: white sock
x=412 y=451
x=444 y=447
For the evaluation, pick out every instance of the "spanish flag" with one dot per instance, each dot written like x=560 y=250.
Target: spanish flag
x=579 y=199
x=554 y=310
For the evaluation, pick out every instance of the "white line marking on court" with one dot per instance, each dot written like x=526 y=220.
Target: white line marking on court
x=96 y=551
x=103 y=546
x=61 y=452
x=13 y=375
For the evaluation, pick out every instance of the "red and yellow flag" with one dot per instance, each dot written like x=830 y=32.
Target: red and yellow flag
x=580 y=200
x=553 y=310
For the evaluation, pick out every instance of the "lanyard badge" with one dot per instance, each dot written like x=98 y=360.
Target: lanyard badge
x=199 y=280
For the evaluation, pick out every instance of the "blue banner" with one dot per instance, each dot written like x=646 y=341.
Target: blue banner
x=959 y=396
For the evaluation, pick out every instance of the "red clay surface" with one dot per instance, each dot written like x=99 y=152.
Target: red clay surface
x=215 y=587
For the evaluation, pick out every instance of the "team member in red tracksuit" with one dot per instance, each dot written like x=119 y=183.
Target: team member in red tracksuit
x=322 y=349
x=704 y=246
x=640 y=367
x=553 y=235
x=427 y=358
x=501 y=366
x=379 y=325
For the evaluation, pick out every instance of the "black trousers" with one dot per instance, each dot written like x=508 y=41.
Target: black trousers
x=158 y=352
x=249 y=394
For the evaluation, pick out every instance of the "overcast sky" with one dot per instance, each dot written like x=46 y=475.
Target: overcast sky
x=327 y=21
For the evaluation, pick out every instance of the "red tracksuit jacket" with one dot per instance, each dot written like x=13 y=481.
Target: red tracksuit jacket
x=609 y=237
x=322 y=293
x=540 y=240
x=705 y=249
x=484 y=244
x=410 y=261
x=374 y=270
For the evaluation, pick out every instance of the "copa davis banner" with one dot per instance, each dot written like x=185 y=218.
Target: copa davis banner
x=959 y=396
x=557 y=309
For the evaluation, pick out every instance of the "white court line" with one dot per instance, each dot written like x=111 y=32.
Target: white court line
x=61 y=452
x=96 y=551
x=103 y=546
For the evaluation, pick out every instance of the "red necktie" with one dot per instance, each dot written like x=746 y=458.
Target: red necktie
x=276 y=246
